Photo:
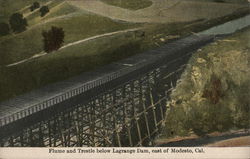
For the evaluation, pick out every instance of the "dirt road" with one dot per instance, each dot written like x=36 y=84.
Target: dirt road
x=74 y=43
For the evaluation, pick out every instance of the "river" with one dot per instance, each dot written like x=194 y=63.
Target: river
x=229 y=27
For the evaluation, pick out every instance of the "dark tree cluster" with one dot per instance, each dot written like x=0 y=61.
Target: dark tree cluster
x=44 y=10
x=18 y=23
x=34 y=6
x=53 y=39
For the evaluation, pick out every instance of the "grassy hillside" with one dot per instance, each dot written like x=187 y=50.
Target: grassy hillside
x=89 y=55
x=66 y=63
x=129 y=4
x=213 y=93
x=54 y=6
x=76 y=28
x=85 y=56
x=8 y=7
x=61 y=9
x=77 y=25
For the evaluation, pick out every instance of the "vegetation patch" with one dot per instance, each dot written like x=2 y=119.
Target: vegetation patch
x=66 y=63
x=8 y=7
x=53 y=39
x=46 y=11
x=34 y=6
x=61 y=9
x=129 y=4
x=18 y=23
x=213 y=93
x=75 y=28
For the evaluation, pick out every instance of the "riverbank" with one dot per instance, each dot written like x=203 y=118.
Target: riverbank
x=213 y=93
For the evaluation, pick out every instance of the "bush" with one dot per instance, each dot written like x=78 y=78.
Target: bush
x=176 y=122
x=44 y=10
x=17 y=22
x=53 y=39
x=200 y=119
x=34 y=6
x=206 y=118
x=5 y=29
x=242 y=111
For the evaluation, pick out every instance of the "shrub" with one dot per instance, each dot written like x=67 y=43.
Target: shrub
x=44 y=10
x=242 y=110
x=200 y=119
x=207 y=118
x=17 y=22
x=53 y=39
x=34 y=6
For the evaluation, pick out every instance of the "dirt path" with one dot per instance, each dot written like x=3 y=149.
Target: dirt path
x=28 y=59
x=24 y=8
x=161 y=11
x=98 y=36
x=74 y=43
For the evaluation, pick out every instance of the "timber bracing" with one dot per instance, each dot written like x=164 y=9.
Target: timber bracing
x=128 y=115
x=126 y=111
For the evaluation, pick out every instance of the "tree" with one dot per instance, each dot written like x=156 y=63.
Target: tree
x=5 y=29
x=44 y=10
x=53 y=39
x=34 y=6
x=17 y=22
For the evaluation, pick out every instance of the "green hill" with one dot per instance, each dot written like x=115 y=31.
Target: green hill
x=77 y=26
